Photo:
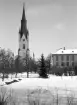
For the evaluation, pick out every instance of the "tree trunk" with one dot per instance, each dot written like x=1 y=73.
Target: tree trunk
x=16 y=75
x=3 y=77
x=27 y=66
x=27 y=74
x=27 y=71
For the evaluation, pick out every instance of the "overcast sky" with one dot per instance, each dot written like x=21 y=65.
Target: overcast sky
x=52 y=24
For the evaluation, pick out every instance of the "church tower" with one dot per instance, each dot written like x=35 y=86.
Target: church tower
x=23 y=37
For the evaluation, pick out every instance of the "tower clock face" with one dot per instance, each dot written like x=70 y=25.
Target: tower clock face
x=23 y=40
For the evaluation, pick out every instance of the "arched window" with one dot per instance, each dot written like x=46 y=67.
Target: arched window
x=23 y=46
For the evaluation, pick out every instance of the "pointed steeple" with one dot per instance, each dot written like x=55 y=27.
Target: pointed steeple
x=23 y=15
x=23 y=29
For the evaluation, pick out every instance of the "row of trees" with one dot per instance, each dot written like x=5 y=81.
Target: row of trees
x=67 y=71
x=11 y=64
x=41 y=66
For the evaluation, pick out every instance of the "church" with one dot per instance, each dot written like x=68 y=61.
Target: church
x=23 y=50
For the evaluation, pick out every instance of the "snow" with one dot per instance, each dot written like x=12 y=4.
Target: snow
x=35 y=82
x=67 y=51
x=53 y=82
x=64 y=86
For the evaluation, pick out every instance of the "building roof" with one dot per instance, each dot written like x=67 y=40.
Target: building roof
x=66 y=51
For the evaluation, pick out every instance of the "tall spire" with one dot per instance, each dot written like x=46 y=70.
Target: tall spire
x=23 y=15
x=23 y=29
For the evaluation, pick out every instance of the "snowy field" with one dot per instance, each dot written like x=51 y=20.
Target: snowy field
x=69 y=82
x=52 y=85
x=33 y=82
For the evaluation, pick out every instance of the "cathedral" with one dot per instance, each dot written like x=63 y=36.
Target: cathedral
x=23 y=50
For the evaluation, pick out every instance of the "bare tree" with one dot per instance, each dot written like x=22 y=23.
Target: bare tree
x=6 y=61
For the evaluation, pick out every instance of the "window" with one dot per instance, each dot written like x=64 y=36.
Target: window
x=73 y=51
x=67 y=57
x=67 y=63
x=72 y=63
x=62 y=57
x=56 y=63
x=23 y=46
x=72 y=57
x=56 y=57
x=62 y=64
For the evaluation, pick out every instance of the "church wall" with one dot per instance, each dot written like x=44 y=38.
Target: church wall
x=21 y=42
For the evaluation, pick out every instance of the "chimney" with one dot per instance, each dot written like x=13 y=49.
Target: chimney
x=64 y=48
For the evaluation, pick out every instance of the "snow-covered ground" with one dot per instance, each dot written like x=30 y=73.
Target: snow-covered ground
x=53 y=81
x=64 y=82
x=64 y=86
x=30 y=88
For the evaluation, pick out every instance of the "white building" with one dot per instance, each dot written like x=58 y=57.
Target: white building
x=23 y=37
x=65 y=57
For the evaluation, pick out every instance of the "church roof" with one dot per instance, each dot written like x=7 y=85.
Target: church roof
x=23 y=15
